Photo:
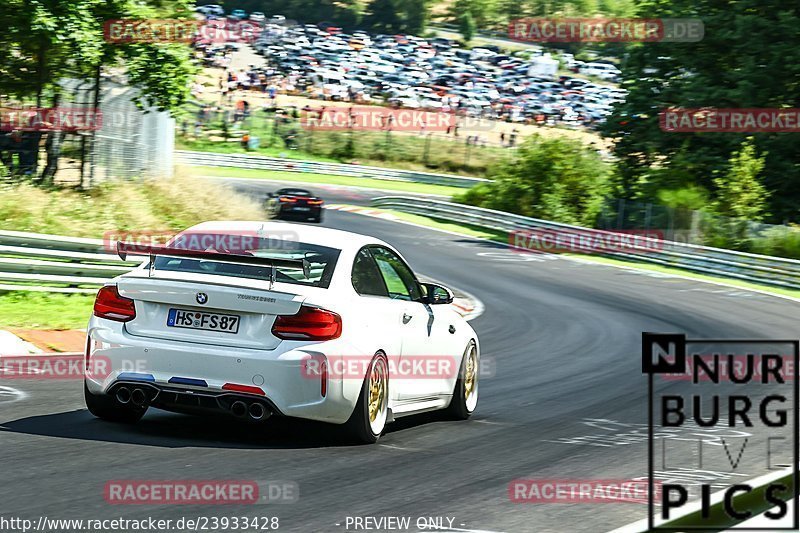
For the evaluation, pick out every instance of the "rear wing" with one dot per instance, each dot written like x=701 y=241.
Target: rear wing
x=125 y=249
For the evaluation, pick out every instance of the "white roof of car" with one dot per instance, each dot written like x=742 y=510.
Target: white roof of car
x=334 y=238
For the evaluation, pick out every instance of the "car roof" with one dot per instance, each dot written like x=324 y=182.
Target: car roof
x=344 y=240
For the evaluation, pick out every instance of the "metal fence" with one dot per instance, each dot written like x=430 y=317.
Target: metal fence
x=213 y=159
x=764 y=269
x=124 y=140
x=133 y=142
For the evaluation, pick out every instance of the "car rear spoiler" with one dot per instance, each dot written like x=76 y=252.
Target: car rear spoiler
x=125 y=249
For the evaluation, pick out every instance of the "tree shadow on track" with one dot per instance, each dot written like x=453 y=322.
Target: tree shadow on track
x=171 y=430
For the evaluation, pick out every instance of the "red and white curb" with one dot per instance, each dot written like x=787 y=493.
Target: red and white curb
x=361 y=210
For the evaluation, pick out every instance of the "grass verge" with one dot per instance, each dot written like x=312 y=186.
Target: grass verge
x=163 y=204
x=35 y=310
x=157 y=205
x=299 y=177
x=498 y=236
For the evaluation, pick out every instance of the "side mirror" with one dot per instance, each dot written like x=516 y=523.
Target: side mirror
x=436 y=294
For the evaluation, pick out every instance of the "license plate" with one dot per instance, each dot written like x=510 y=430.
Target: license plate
x=302 y=209
x=181 y=318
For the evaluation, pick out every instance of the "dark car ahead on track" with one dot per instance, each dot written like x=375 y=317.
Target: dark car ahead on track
x=295 y=204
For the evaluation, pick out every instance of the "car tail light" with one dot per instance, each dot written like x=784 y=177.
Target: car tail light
x=109 y=304
x=315 y=202
x=287 y=199
x=310 y=323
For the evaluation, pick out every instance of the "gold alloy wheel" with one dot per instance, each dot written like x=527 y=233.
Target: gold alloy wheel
x=377 y=389
x=469 y=373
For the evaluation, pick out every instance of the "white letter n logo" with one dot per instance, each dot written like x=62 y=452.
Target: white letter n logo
x=663 y=353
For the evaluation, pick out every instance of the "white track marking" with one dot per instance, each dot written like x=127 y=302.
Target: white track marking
x=11 y=395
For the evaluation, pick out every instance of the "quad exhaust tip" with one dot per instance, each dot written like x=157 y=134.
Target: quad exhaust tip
x=257 y=411
x=123 y=395
x=239 y=408
x=138 y=397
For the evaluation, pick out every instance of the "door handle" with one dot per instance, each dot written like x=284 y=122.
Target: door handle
x=407 y=318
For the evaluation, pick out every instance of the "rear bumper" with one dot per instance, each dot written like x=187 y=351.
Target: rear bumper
x=292 y=212
x=194 y=401
x=191 y=373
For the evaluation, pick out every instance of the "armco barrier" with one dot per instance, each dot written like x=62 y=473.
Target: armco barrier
x=768 y=270
x=54 y=263
x=69 y=264
x=213 y=159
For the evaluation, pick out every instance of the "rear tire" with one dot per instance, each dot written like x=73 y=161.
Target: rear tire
x=106 y=408
x=465 y=392
x=371 y=412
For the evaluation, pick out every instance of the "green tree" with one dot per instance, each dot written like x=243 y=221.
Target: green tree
x=749 y=57
x=416 y=16
x=558 y=179
x=47 y=41
x=384 y=16
x=483 y=11
x=466 y=26
x=740 y=193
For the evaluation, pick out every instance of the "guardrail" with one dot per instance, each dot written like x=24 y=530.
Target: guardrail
x=214 y=159
x=52 y=263
x=69 y=264
x=763 y=269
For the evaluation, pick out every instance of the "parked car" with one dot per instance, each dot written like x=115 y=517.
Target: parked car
x=211 y=9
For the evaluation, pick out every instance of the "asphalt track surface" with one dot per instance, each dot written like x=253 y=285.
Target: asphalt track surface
x=564 y=340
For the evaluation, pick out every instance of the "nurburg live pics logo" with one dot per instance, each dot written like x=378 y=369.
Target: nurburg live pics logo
x=749 y=407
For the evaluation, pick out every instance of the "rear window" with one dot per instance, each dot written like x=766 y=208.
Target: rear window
x=295 y=192
x=322 y=259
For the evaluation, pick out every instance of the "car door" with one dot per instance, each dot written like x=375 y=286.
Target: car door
x=423 y=343
x=382 y=314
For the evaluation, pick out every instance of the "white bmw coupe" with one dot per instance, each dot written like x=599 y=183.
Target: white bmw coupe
x=268 y=319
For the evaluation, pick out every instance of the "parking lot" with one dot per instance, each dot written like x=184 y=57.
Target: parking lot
x=405 y=71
